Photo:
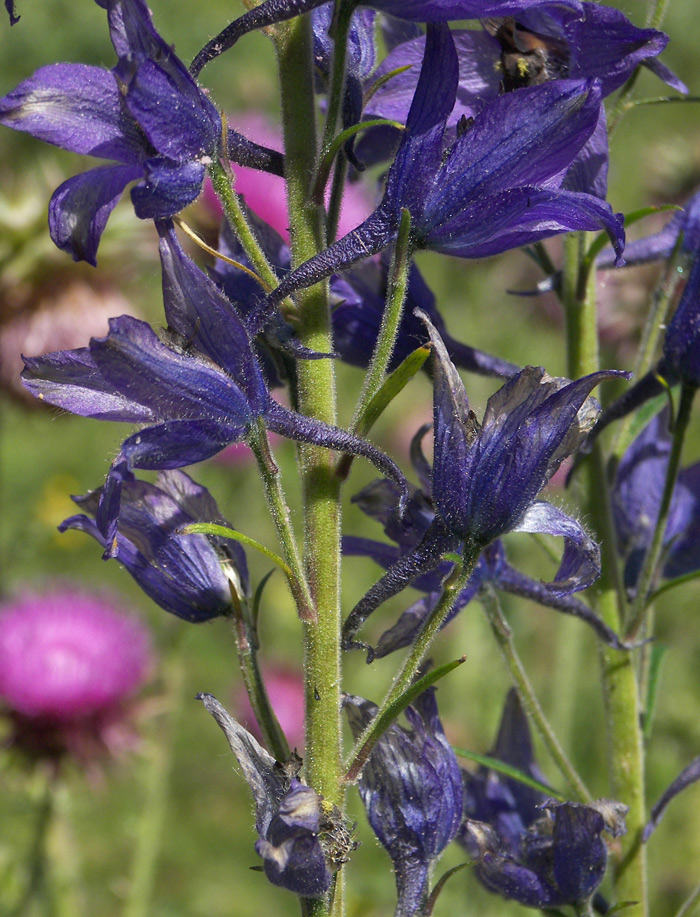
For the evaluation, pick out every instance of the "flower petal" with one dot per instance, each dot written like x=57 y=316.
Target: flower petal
x=173 y=112
x=167 y=188
x=75 y=107
x=80 y=207
x=580 y=565
x=521 y=216
x=70 y=379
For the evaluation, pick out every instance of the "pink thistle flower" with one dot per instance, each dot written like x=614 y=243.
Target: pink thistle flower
x=69 y=661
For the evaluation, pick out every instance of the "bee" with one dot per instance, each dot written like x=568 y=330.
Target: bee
x=527 y=58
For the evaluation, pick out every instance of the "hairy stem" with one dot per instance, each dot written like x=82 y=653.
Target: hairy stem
x=279 y=511
x=316 y=393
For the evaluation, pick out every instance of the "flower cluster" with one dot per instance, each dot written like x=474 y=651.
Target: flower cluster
x=491 y=138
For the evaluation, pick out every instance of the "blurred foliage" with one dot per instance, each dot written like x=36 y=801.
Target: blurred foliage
x=207 y=837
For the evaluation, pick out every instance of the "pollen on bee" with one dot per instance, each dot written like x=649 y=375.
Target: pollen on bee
x=40 y=396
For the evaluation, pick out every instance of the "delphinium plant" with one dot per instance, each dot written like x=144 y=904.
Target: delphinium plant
x=483 y=139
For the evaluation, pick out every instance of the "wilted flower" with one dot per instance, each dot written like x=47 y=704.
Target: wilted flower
x=147 y=114
x=69 y=662
x=295 y=833
x=191 y=576
x=527 y=847
x=412 y=791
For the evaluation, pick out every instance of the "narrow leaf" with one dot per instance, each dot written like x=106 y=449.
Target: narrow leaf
x=391 y=387
x=658 y=654
x=210 y=528
x=385 y=718
x=495 y=764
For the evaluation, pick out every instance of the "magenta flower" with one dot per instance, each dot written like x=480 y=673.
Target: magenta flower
x=68 y=662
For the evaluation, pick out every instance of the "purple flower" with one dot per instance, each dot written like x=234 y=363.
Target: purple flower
x=357 y=317
x=380 y=500
x=289 y=817
x=486 y=477
x=531 y=48
x=195 y=392
x=499 y=185
x=191 y=576
x=358 y=299
x=636 y=499
x=147 y=115
x=680 y=359
x=411 y=788
x=527 y=847
x=68 y=663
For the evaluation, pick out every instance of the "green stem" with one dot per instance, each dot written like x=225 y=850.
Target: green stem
x=453 y=586
x=579 y=301
x=221 y=179
x=316 y=393
x=658 y=14
x=623 y=721
x=37 y=882
x=279 y=510
x=335 y=202
x=391 y=317
x=342 y=15
x=621 y=104
x=618 y=676
x=504 y=637
x=246 y=647
x=156 y=790
x=653 y=555
x=653 y=330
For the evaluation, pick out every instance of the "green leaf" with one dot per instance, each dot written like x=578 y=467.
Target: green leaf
x=210 y=528
x=393 y=384
x=495 y=764
x=643 y=416
x=673 y=584
x=381 y=723
x=658 y=654
x=622 y=906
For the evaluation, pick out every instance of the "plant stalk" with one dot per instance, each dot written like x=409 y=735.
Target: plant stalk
x=316 y=392
x=504 y=637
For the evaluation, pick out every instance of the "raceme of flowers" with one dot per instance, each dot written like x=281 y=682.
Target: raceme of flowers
x=498 y=140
